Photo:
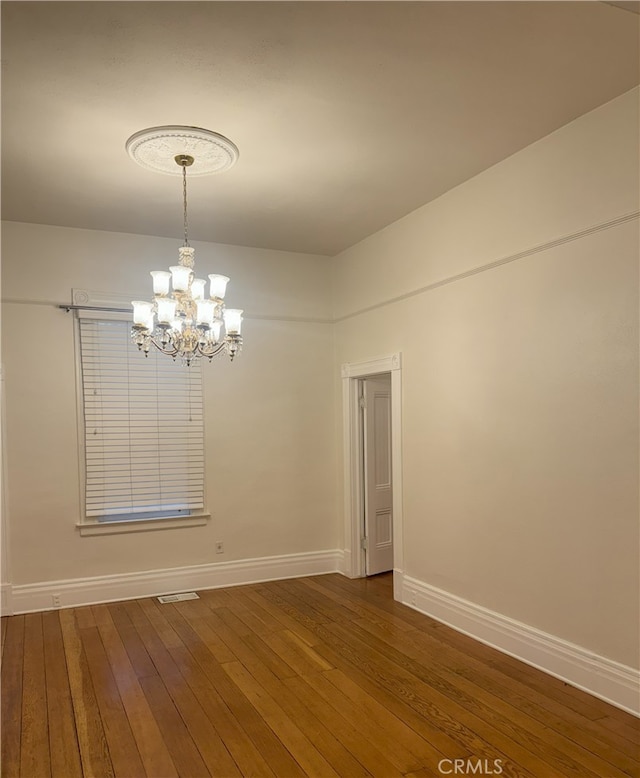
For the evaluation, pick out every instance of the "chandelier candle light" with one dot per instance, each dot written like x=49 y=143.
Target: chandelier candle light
x=182 y=321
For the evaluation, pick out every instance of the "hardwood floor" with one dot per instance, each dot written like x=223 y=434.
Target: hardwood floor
x=318 y=677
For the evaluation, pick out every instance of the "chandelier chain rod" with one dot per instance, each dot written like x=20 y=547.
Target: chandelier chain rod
x=184 y=200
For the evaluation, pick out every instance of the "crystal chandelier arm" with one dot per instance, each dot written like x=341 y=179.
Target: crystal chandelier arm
x=167 y=348
x=230 y=345
x=213 y=351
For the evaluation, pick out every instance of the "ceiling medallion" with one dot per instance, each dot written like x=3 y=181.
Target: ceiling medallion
x=157 y=147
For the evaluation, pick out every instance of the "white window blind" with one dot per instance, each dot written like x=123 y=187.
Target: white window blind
x=143 y=427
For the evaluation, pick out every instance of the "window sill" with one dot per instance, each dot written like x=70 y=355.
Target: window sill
x=142 y=525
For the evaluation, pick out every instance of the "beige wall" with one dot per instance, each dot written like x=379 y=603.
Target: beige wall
x=269 y=448
x=520 y=382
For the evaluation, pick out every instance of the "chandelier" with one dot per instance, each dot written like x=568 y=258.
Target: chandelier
x=183 y=321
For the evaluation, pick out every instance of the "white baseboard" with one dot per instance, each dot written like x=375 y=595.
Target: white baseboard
x=345 y=563
x=109 y=588
x=610 y=681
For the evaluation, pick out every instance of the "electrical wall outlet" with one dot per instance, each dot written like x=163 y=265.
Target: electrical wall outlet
x=219 y=547
x=55 y=598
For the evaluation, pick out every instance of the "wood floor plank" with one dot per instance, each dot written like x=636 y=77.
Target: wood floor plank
x=212 y=749
x=332 y=609
x=248 y=758
x=372 y=717
x=365 y=722
x=361 y=609
x=240 y=627
x=217 y=598
x=177 y=666
x=300 y=616
x=276 y=755
x=255 y=656
x=284 y=652
x=168 y=635
x=317 y=661
x=372 y=595
x=11 y=700
x=84 y=617
x=92 y=741
x=627 y=729
x=151 y=746
x=303 y=662
x=253 y=593
x=254 y=615
x=306 y=609
x=123 y=748
x=328 y=745
x=101 y=615
x=137 y=653
x=204 y=734
x=198 y=614
x=34 y=744
x=611 y=711
x=222 y=622
x=372 y=757
x=179 y=742
x=298 y=744
x=151 y=639
x=63 y=742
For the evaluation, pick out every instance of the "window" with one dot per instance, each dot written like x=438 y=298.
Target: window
x=143 y=429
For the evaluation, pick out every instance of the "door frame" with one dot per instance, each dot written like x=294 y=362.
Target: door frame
x=352 y=372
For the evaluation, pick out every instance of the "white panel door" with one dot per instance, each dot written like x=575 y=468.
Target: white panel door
x=378 y=519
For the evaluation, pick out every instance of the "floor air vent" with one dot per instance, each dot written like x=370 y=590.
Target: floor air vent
x=178 y=597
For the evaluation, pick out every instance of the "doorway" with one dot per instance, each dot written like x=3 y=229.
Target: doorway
x=357 y=562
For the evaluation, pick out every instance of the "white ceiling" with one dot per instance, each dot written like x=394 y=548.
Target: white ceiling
x=348 y=115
